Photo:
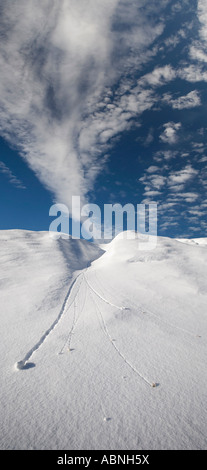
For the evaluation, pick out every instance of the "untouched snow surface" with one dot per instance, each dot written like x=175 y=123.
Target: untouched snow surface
x=87 y=330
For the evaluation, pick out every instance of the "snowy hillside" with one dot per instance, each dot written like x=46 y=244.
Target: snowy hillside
x=102 y=347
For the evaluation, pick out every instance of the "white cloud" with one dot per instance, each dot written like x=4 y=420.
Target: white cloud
x=172 y=184
x=163 y=75
x=196 y=212
x=172 y=41
x=170 y=223
x=165 y=155
x=198 y=48
x=176 y=7
x=150 y=137
x=167 y=206
x=198 y=54
x=189 y=197
x=170 y=132
x=159 y=76
x=193 y=73
x=58 y=61
x=151 y=193
x=203 y=159
x=182 y=176
x=184 y=154
x=202 y=16
x=52 y=60
x=191 y=100
x=109 y=121
x=10 y=175
x=158 y=181
x=152 y=169
x=154 y=184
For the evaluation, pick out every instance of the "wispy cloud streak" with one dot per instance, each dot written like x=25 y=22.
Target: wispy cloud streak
x=10 y=175
x=58 y=61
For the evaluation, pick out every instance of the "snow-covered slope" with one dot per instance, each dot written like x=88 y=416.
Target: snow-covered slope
x=102 y=349
x=194 y=241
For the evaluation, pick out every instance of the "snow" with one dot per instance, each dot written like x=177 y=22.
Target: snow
x=197 y=241
x=102 y=347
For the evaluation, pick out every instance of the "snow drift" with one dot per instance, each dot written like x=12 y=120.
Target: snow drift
x=102 y=347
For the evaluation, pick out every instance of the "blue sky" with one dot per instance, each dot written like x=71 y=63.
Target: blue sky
x=106 y=100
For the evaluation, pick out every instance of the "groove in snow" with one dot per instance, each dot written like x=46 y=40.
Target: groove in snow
x=21 y=364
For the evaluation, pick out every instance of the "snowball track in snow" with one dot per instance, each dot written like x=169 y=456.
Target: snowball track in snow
x=21 y=364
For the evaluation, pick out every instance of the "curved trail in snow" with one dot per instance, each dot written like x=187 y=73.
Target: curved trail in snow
x=145 y=311
x=22 y=364
x=76 y=318
x=102 y=298
x=106 y=331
